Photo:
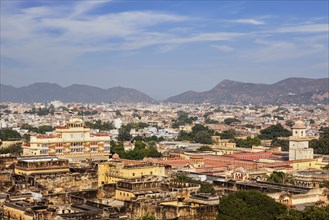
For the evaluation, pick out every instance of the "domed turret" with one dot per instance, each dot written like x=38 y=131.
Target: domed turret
x=115 y=156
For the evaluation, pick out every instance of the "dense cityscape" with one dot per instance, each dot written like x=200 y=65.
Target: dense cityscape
x=162 y=161
x=164 y=110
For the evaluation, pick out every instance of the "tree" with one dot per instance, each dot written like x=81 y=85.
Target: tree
x=320 y=146
x=205 y=148
x=274 y=131
x=289 y=123
x=15 y=149
x=45 y=128
x=284 y=144
x=118 y=113
x=291 y=214
x=326 y=167
x=7 y=134
x=316 y=213
x=228 y=134
x=277 y=177
x=248 y=142
x=210 y=121
x=148 y=216
x=249 y=205
x=205 y=187
x=124 y=133
x=229 y=121
x=202 y=137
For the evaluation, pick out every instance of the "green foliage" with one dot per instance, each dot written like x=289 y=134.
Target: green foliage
x=248 y=142
x=184 y=136
x=320 y=146
x=15 y=149
x=183 y=119
x=207 y=114
x=210 y=121
x=118 y=113
x=325 y=183
x=137 y=126
x=316 y=213
x=205 y=187
x=249 y=205
x=86 y=113
x=290 y=123
x=27 y=137
x=281 y=110
x=278 y=117
x=149 y=139
x=291 y=214
x=228 y=134
x=98 y=124
x=326 y=167
x=41 y=129
x=205 y=148
x=45 y=128
x=140 y=151
x=117 y=148
x=284 y=144
x=274 y=131
x=266 y=116
x=199 y=134
x=29 y=128
x=229 y=121
x=124 y=133
x=203 y=137
x=277 y=177
x=42 y=111
x=8 y=134
x=148 y=216
x=250 y=126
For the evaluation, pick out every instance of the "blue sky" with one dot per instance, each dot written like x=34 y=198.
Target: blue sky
x=162 y=48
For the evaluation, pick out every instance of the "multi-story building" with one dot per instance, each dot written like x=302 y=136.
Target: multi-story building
x=41 y=165
x=73 y=139
x=298 y=143
x=113 y=171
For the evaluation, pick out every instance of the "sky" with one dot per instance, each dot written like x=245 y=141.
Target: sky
x=162 y=48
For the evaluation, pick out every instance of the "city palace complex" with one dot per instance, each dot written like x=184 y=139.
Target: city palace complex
x=158 y=161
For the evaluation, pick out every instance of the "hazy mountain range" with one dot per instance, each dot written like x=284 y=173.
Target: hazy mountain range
x=291 y=90
x=44 y=92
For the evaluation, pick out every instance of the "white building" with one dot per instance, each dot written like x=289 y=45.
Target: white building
x=298 y=143
x=73 y=139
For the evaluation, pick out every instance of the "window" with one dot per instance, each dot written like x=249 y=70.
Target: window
x=133 y=174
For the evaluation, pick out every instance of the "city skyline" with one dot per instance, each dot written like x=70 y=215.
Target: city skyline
x=162 y=48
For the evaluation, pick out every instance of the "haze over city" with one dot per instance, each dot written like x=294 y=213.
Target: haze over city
x=162 y=48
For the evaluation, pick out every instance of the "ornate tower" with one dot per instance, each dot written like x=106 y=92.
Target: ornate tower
x=298 y=143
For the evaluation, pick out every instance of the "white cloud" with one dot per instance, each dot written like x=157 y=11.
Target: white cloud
x=248 y=21
x=84 y=6
x=308 y=28
x=223 y=48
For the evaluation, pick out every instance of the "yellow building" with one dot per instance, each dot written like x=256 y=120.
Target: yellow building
x=113 y=171
x=41 y=165
x=304 y=164
x=73 y=139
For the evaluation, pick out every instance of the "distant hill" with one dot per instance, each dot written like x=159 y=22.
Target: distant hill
x=44 y=92
x=291 y=90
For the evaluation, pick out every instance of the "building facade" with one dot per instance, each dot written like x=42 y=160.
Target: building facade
x=298 y=143
x=73 y=139
x=113 y=171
